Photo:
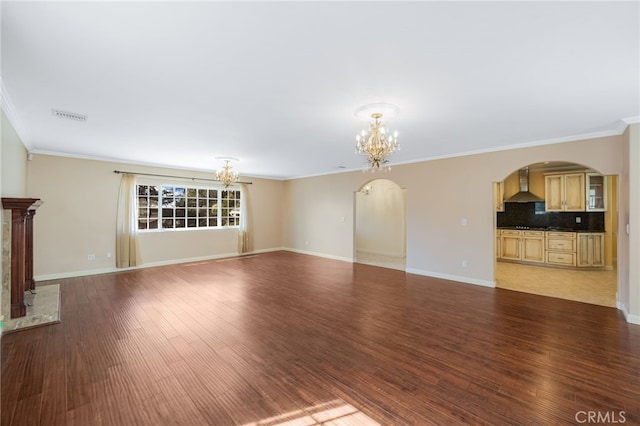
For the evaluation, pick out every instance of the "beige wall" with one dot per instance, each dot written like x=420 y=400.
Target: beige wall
x=611 y=222
x=313 y=214
x=631 y=301
x=440 y=194
x=380 y=219
x=13 y=162
x=78 y=217
x=623 y=237
x=13 y=183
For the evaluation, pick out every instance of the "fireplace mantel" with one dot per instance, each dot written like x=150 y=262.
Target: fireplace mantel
x=22 y=212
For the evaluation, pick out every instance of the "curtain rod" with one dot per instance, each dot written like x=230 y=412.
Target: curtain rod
x=120 y=172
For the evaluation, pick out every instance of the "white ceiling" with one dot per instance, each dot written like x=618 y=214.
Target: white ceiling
x=276 y=84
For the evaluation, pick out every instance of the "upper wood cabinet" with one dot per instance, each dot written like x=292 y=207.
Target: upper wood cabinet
x=565 y=192
x=596 y=196
x=498 y=196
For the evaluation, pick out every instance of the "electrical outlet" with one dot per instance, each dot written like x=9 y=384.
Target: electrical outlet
x=91 y=257
x=109 y=255
x=578 y=219
x=465 y=263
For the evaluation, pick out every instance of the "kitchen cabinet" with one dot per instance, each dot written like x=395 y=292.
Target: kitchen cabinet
x=533 y=246
x=510 y=244
x=561 y=248
x=565 y=192
x=526 y=246
x=596 y=195
x=554 y=248
x=590 y=249
x=498 y=196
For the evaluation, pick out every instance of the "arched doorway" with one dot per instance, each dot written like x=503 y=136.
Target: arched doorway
x=380 y=224
x=556 y=232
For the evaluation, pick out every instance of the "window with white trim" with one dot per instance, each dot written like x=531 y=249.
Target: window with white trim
x=183 y=207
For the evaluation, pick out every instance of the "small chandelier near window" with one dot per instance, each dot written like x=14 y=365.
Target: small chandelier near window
x=377 y=142
x=225 y=175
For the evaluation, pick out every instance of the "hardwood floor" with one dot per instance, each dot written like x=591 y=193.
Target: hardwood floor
x=284 y=338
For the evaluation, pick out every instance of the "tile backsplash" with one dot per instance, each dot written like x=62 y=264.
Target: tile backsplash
x=534 y=216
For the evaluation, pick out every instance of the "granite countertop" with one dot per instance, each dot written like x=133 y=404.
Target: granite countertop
x=551 y=228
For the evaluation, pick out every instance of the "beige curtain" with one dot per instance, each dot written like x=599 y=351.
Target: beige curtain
x=126 y=228
x=245 y=236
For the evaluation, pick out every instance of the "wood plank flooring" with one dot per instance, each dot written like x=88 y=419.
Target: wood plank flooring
x=284 y=338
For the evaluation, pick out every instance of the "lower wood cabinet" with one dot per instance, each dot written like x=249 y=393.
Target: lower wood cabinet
x=526 y=246
x=561 y=248
x=591 y=249
x=562 y=259
x=569 y=249
x=533 y=249
x=510 y=244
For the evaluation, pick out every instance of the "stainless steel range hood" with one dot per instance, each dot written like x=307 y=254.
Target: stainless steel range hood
x=524 y=196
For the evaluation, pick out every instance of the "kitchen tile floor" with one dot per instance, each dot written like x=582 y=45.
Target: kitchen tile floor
x=391 y=262
x=595 y=287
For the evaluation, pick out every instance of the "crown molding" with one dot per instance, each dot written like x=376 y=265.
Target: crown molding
x=12 y=115
x=619 y=129
x=140 y=163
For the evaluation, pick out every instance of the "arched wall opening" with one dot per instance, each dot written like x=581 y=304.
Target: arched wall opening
x=380 y=224
x=564 y=245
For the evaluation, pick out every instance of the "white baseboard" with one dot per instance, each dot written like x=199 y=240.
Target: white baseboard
x=380 y=253
x=631 y=319
x=313 y=253
x=73 y=274
x=466 y=280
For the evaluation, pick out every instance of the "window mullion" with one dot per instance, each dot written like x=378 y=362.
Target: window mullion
x=186 y=204
x=160 y=207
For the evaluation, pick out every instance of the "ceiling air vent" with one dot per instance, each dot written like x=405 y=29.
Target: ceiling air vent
x=69 y=115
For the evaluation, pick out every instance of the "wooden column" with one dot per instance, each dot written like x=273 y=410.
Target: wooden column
x=22 y=212
x=29 y=283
